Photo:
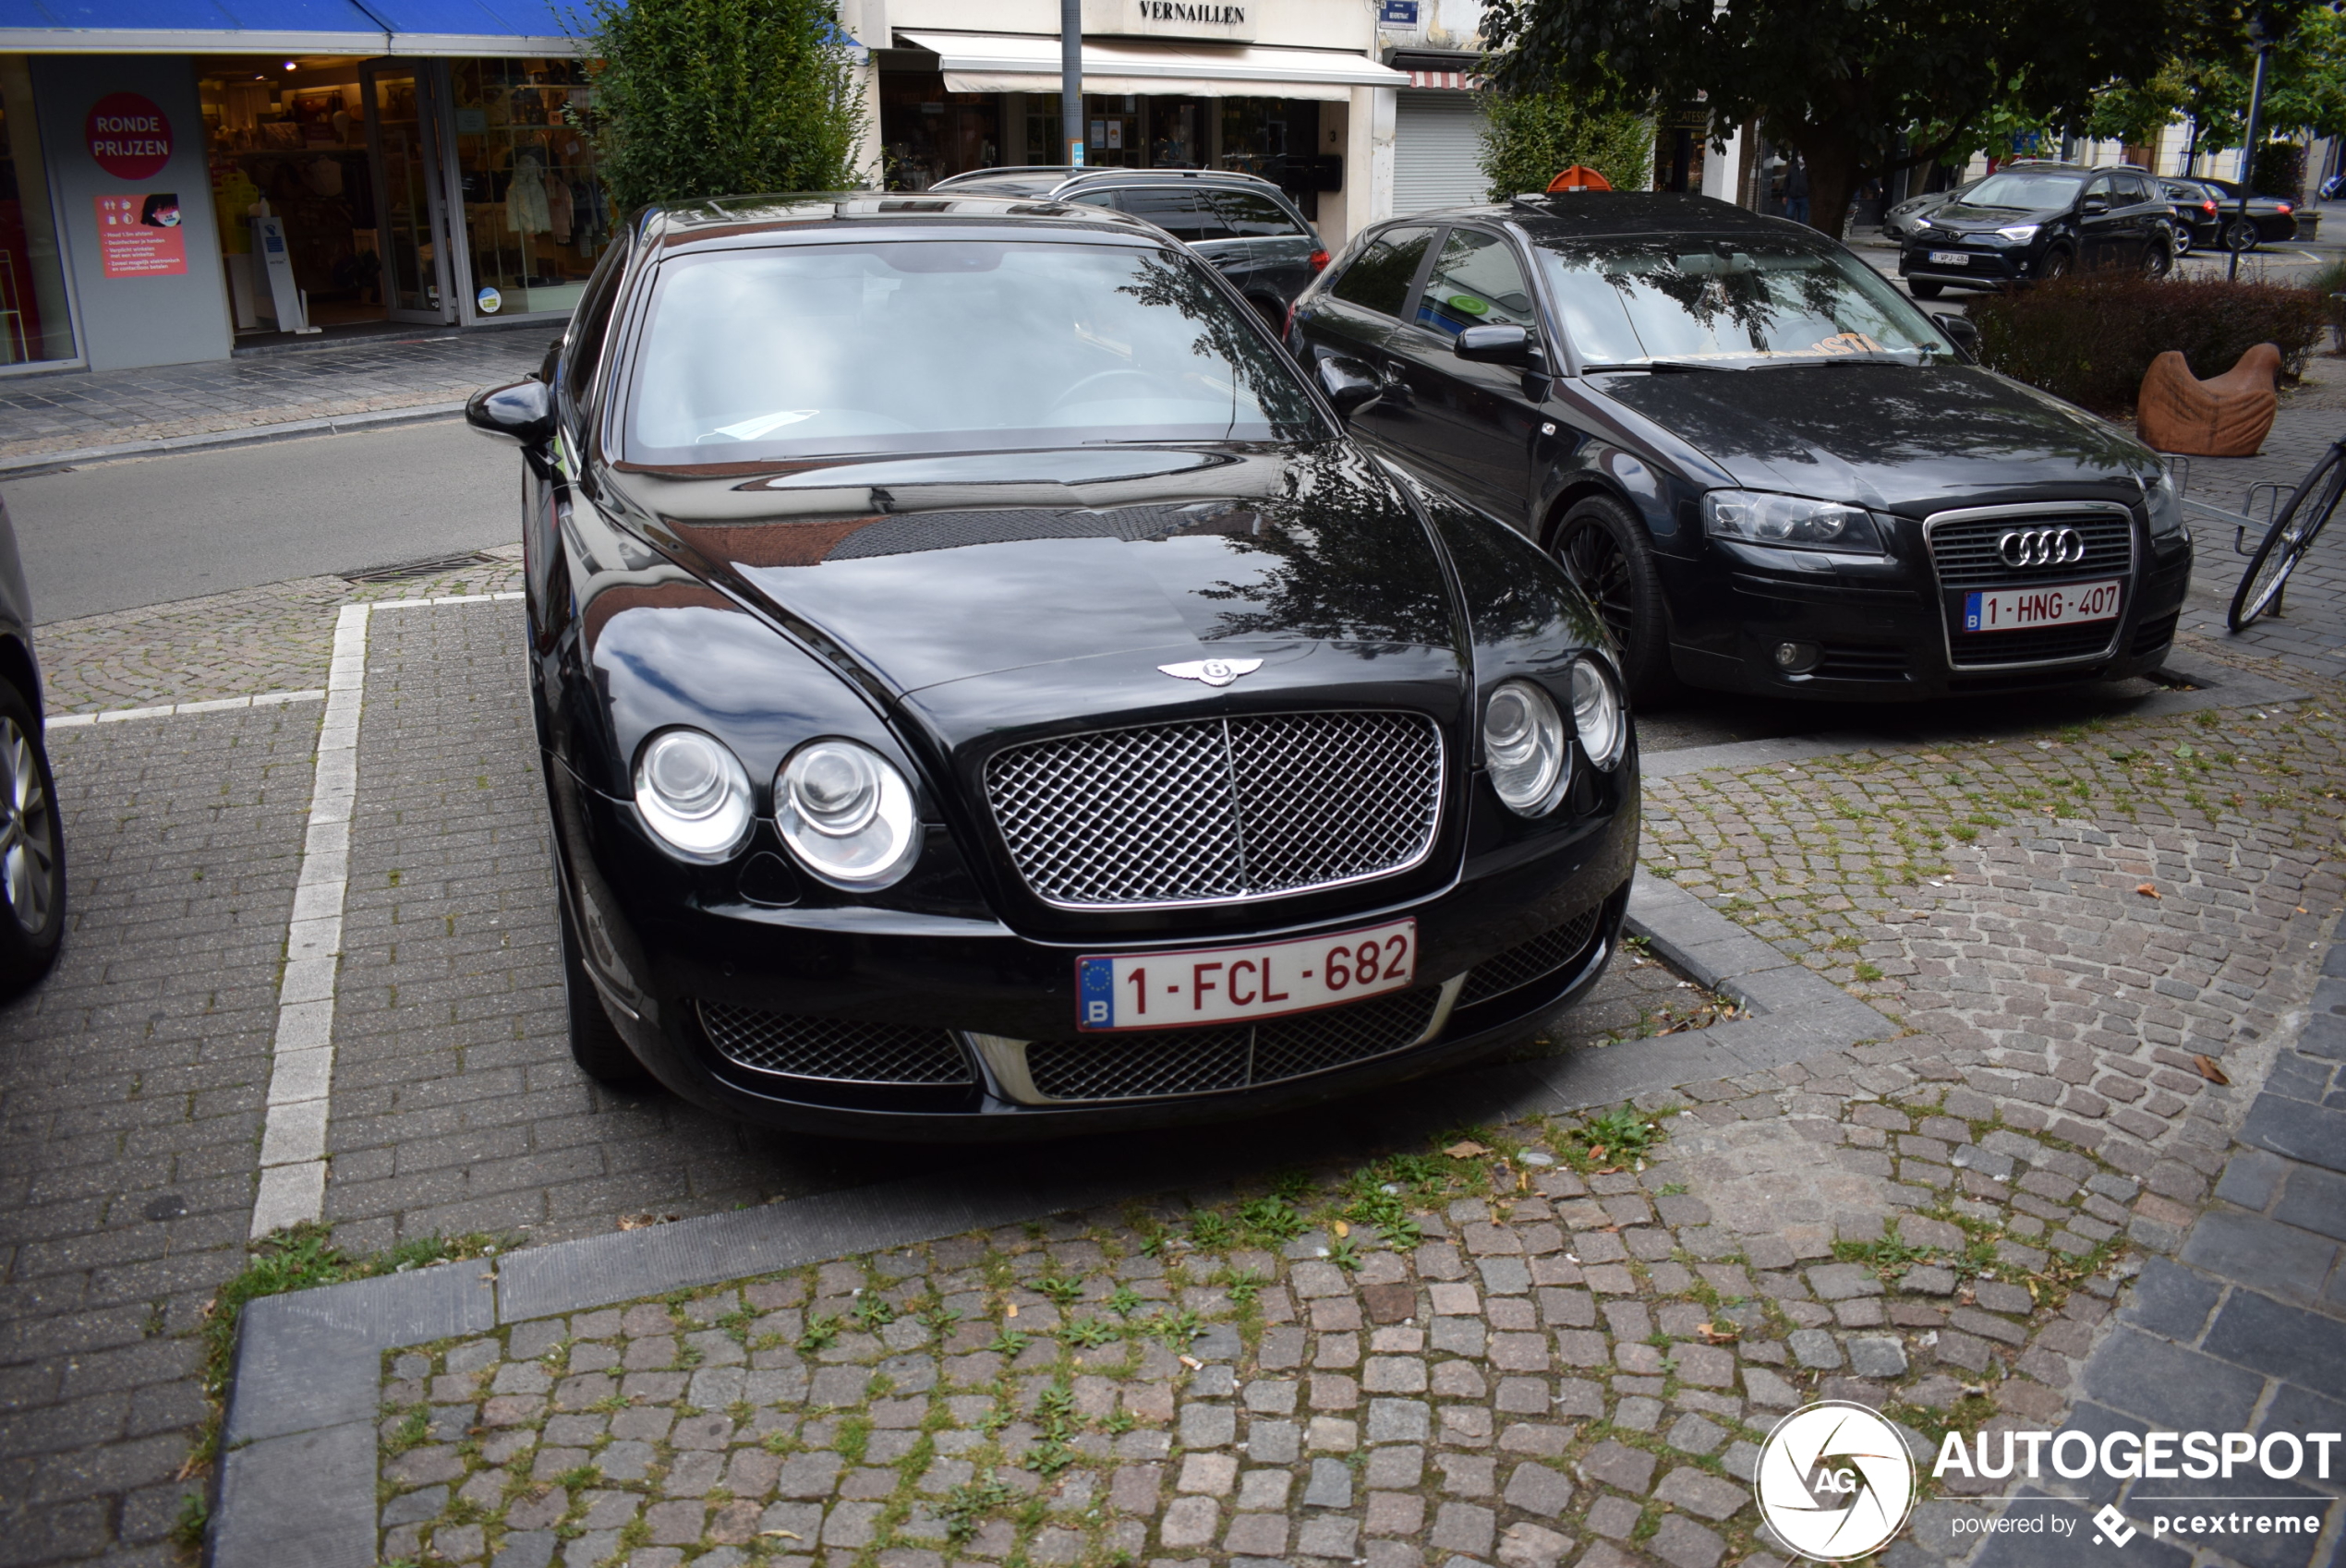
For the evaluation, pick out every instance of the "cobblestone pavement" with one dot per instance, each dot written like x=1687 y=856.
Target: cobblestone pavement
x=2058 y=1016
x=77 y=410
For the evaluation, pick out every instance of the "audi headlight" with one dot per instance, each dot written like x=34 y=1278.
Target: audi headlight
x=847 y=815
x=1760 y=518
x=1523 y=748
x=2018 y=234
x=1596 y=714
x=693 y=794
x=2165 y=505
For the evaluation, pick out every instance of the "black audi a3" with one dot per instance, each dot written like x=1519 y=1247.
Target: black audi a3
x=983 y=689
x=1771 y=471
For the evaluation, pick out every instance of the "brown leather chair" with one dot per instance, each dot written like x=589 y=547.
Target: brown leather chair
x=2225 y=418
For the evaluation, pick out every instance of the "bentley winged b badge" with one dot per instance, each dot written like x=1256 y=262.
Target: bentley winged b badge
x=1213 y=671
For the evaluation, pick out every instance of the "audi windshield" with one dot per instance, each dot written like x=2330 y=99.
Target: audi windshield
x=1679 y=303
x=817 y=350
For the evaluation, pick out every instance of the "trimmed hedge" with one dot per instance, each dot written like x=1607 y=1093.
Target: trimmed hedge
x=2091 y=338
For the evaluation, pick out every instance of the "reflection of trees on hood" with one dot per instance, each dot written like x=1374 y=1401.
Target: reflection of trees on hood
x=1343 y=560
x=1511 y=591
x=1169 y=284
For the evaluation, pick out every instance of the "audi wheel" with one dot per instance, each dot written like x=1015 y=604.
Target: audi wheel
x=1603 y=548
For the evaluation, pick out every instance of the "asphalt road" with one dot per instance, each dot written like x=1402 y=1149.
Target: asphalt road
x=116 y=536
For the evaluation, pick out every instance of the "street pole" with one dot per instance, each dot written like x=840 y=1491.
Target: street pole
x=2264 y=43
x=1072 y=81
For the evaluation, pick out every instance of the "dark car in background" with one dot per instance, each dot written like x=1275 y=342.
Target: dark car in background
x=2197 y=219
x=32 y=847
x=2269 y=220
x=1771 y=471
x=983 y=690
x=1245 y=225
x=1900 y=220
x=2037 y=219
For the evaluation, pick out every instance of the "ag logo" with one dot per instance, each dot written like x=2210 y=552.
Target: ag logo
x=1835 y=1481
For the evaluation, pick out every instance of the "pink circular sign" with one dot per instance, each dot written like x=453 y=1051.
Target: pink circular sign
x=129 y=136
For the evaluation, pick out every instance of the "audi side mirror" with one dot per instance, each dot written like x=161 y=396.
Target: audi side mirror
x=522 y=414
x=1348 y=384
x=1963 y=332
x=1494 y=345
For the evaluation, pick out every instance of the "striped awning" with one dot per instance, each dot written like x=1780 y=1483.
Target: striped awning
x=1450 y=82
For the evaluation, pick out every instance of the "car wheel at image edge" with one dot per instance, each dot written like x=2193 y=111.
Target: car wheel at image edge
x=595 y=1042
x=32 y=855
x=1605 y=551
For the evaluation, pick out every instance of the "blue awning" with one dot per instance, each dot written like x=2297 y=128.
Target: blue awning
x=270 y=27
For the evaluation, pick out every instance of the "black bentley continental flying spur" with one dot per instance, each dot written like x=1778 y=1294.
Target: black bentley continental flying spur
x=984 y=689
x=1771 y=472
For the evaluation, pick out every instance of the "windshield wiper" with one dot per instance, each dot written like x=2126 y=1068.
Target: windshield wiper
x=1656 y=365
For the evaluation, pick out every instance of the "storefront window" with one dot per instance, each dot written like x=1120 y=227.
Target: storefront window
x=35 y=322
x=296 y=139
x=535 y=218
x=1277 y=139
x=929 y=133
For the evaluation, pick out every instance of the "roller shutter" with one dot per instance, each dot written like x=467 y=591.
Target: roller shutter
x=1437 y=136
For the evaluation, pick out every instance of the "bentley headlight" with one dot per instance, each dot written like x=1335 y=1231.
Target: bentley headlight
x=1596 y=714
x=2165 y=505
x=847 y=815
x=1762 y=518
x=693 y=794
x=1523 y=747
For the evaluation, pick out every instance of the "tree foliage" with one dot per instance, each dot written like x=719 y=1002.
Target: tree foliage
x=699 y=98
x=1844 y=81
x=1528 y=138
x=2305 y=90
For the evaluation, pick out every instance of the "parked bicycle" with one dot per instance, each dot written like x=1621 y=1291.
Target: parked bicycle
x=2296 y=524
x=2294 y=518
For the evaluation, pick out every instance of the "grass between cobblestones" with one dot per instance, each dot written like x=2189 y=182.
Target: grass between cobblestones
x=1030 y=1397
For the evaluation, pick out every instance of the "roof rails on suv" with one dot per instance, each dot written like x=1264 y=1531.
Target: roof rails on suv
x=1081 y=179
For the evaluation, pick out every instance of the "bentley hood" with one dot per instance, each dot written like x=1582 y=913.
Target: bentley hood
x=1894 y=437
x=923 y=572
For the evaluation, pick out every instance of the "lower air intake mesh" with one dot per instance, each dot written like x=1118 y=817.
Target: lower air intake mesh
x=1527 y=961
x=833 y=1048
x=1198 y=1061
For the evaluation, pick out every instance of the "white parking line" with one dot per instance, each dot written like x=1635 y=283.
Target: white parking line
x=292 y=1139
x=217 y=704
x=293 y=1135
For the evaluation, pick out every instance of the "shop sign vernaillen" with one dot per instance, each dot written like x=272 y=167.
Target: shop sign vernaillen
x=140 y=236
x=129 y=136
x=1231 y=20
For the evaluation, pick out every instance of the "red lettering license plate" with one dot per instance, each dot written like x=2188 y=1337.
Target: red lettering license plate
x=1238 y=985
x=2015 y=609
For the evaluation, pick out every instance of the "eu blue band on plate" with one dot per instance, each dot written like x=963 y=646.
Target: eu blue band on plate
x=1095 y=991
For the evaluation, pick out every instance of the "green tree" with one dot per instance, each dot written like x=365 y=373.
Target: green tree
x=1528 y=138
x=697 y=98
x=1842 y=81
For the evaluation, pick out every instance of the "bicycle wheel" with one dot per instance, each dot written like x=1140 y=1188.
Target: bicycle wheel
x=2294 y=529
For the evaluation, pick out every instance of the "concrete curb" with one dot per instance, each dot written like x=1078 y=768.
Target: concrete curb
x=298 y=1474
x=2219 y=685
x=32 y=464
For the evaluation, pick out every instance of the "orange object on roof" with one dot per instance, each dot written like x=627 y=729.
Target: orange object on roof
x=1579 y=177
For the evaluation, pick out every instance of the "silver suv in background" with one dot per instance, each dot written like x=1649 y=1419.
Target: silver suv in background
x=1243 y=224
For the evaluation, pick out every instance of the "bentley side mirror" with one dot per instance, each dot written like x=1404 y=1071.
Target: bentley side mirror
x=1348 y=384
x=1494 y=345
x=522 y=414
x=1963 y=332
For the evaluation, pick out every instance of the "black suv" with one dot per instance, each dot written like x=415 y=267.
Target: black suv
x=1769 y=471
x=2034 y=220
x=1244 y=225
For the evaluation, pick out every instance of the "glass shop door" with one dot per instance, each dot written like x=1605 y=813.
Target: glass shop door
x=402 y=120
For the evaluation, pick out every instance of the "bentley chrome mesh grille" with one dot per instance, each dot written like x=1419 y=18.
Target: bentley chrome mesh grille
x=1527 y=961
x=1218 y=809
x=833 y=1048
x=1198 y=1061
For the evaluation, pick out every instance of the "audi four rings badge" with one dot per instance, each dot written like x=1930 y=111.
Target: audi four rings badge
x=2042 y=547
x=1213 y=671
